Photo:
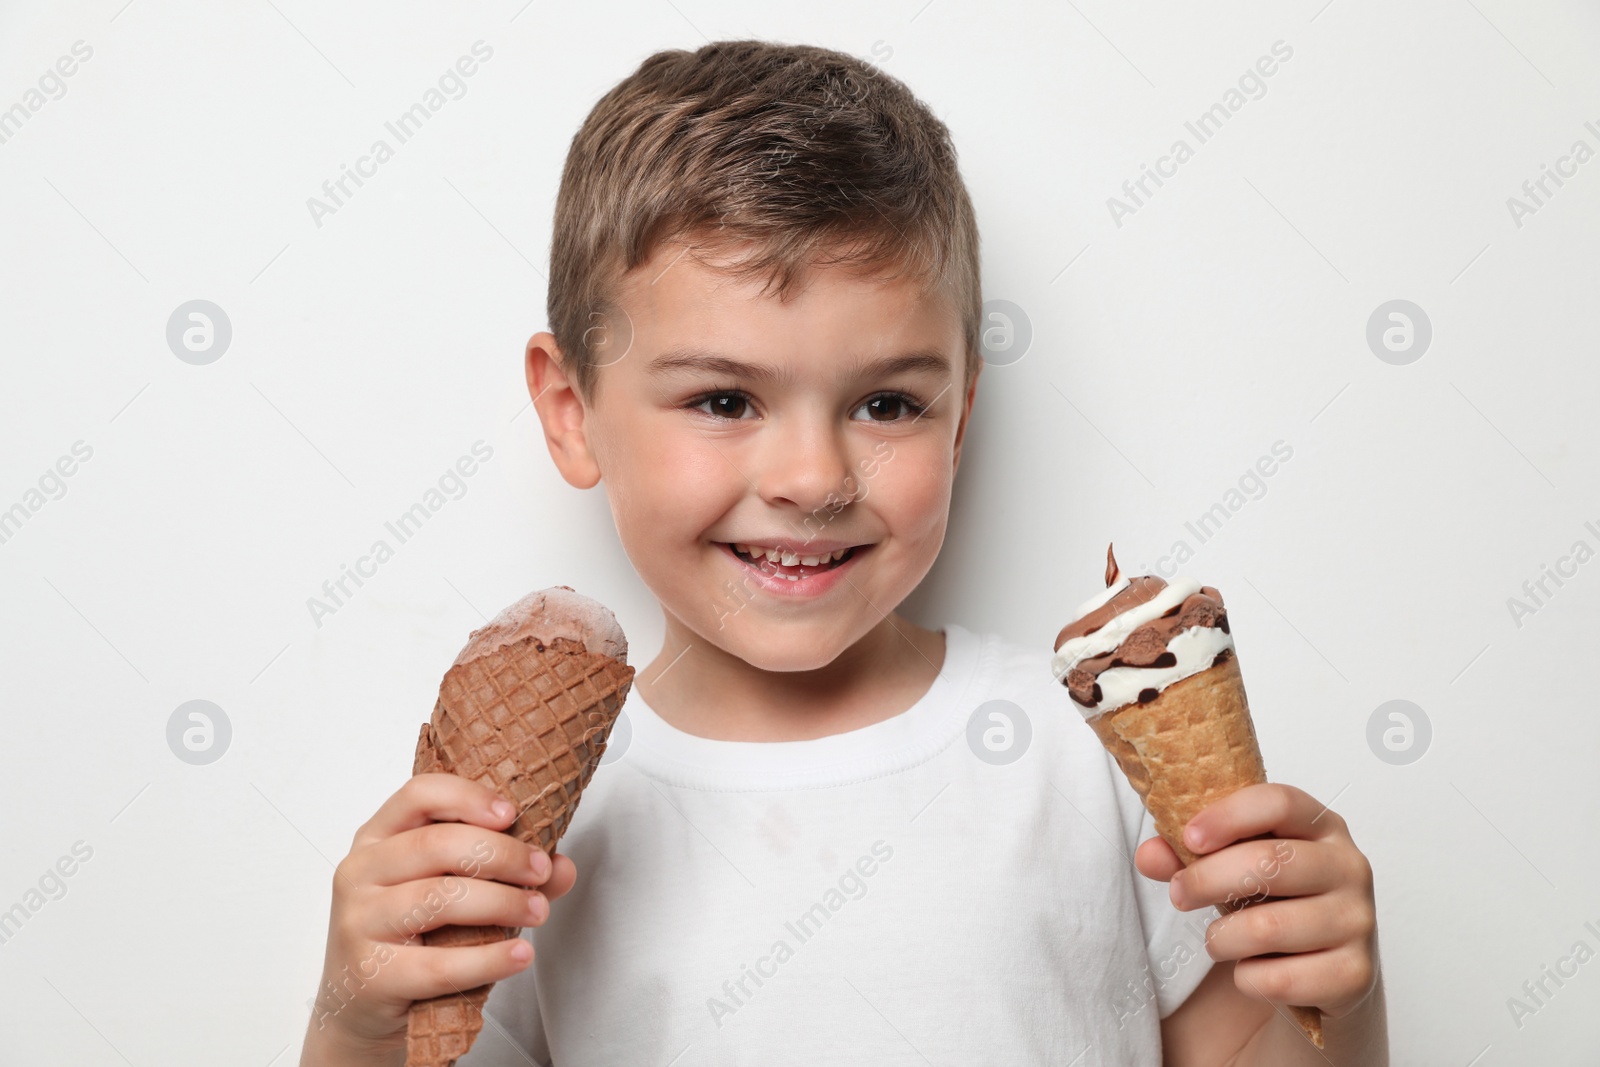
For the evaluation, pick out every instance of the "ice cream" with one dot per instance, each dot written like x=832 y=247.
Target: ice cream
x=525 y=710
x=1152 y=669
x=1138 y=637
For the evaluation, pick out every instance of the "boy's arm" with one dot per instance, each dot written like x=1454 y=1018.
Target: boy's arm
x=1311 y=937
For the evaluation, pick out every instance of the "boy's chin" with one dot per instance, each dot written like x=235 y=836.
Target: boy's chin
x=783 y=648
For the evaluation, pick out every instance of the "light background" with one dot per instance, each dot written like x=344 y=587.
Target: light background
x=1168 y=354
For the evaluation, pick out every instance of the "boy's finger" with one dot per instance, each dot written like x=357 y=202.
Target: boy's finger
x=562 y=878
x=424 y=971
x=1287 y=926
x=1255 y=870
x=1298 y=978
x=1270 y=808
x=436 y=798
x=1155 y=860
x=402 y=912
x=449 y=848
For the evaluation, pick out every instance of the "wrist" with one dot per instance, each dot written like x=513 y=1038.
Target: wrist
x=330 y=1045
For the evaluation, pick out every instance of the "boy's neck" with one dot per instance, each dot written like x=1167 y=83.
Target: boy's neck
x=710 y=693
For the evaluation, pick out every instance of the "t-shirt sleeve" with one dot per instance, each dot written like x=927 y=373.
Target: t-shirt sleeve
x=1174 y=941
x=513 y=1031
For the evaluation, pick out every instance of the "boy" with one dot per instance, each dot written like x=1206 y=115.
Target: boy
x=765 y=306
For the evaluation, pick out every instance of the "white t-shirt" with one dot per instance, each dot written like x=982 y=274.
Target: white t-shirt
x=885 y=895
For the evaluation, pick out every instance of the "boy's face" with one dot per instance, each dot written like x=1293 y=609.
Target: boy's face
x=824 y=431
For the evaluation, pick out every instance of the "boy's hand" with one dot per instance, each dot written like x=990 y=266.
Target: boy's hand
x=432 y=856
x=1313 y=884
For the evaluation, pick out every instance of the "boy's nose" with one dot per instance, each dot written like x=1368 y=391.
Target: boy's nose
x=805 y=464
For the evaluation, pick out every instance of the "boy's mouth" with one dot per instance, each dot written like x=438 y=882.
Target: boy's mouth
x=791 y=564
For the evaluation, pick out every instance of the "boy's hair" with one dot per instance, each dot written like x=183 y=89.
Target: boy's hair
x=788 y=156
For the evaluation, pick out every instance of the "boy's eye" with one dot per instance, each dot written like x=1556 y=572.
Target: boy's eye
x=726 y=405
x=890 y=407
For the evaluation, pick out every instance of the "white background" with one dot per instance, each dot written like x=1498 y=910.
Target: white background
x=1168 y=354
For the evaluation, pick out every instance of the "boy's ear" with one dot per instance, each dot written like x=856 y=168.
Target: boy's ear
x=966 y=412
x=561 y=412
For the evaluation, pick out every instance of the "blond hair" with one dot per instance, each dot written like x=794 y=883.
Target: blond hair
x=800 y=156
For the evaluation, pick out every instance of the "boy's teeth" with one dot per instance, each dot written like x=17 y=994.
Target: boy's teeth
x=788 y=559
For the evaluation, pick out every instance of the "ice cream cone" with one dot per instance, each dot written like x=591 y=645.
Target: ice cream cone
x=1159 y=677
x=1185 y=750
x=526 y=714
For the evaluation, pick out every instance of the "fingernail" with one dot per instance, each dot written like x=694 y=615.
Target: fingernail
x=503 y=809
x=540 y=864
x=1195 y=838
x=521 y=950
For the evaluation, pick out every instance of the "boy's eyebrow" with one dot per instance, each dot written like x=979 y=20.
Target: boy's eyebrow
x=685 y=358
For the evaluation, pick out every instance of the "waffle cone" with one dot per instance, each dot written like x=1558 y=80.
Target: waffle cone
x=1185 y=750
x=530 y=721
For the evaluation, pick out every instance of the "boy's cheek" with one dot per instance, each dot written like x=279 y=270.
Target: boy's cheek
x=664 y=503
x=913 y=494
x=652 y=462
x=882 y=453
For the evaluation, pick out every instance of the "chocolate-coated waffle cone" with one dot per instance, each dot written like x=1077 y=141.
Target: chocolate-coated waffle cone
x=530 y=721
x=1188 y=748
